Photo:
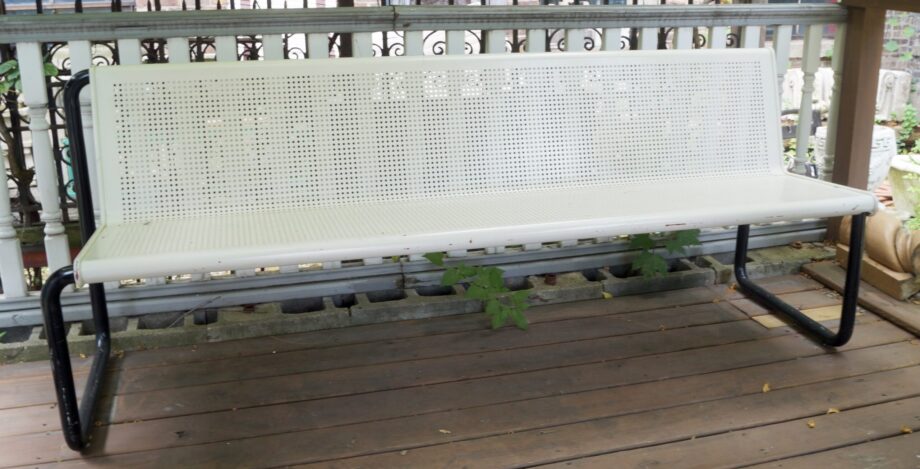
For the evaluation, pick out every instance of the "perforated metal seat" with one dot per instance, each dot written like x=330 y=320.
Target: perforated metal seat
x=243 y=165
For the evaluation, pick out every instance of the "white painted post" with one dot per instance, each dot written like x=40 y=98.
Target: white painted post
x=782 y=39
x=414 y=42
x=129 y=51
x=495 y=41
x=273 y=46
x=177 y=47
x=612 y=37
x=318 y=45
x=574 y=40
x=536 y=40
x=830 y=145
x=31 y=68
x=648 y=39
x=750 y=37
x=683 y=38
x=810 y=58
x=226 y=48
x=454 y=43
x=361 y=45
x=11 y=266
x=717 y=37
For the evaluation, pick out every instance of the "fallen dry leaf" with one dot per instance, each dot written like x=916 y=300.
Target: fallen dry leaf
x=82 y=355
x=766 y=387
x=833 y=410
x=811 y=424
x=606 y=295
x=403 y=452
x=906 y=430
x=446 y=432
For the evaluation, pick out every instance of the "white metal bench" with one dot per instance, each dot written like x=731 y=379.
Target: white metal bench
x=214 y=167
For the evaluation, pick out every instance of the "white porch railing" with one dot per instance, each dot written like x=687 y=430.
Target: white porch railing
x=415 y=28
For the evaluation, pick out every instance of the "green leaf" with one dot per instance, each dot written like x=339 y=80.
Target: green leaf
x=8 y=65
x=891 y=46
x=436 y=258
x=478 y=293
x=50 y=70
x=494 y=277
x=4 y=87
x=493 y=307
x=907 y=56
x=520 y=296
x=893 y=21
x=678 y=240
x=17 y=83
x=519 y=320
x=649 y=264
x=641 y=241
x=908 y=32
x=450 y=277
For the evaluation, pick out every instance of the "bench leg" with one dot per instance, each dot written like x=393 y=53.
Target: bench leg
x=76 y=422
x=812 y=327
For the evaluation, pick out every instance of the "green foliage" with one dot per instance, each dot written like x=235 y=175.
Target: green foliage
x=913 y=224
x=909 y=121
x=650 y=264
x=10 y=78
x=2 y=333
x=891 y=46
x=486 y=284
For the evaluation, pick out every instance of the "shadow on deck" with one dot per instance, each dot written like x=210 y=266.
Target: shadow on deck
x=673 y=379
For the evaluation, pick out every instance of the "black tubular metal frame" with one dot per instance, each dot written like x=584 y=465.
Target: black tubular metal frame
x=76 y=422
x=810 y=326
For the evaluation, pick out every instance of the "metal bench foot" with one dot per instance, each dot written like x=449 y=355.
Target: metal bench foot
x=812 y=327
x=76 y=422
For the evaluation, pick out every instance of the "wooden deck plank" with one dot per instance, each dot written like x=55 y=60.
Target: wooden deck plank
x=451 y=395
x=393 y=352
x=902 y=451
x=552 y=444
x=768 y=443
x=241 y=423
x=427 y=446
x=407 y=329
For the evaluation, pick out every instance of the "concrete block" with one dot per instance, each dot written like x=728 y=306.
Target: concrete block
x=767 y=262
x=272 y=319
x=565 y=288
x=371 y=308
x=685 y=274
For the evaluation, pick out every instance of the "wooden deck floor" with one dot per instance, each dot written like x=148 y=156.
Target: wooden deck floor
x=676 y=379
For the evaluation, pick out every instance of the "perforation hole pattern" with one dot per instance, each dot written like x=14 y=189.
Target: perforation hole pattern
x=206 y=144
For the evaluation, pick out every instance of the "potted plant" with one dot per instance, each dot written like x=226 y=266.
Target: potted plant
x=904 y=175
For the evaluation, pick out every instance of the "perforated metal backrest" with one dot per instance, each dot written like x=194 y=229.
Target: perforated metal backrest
x=186 y=140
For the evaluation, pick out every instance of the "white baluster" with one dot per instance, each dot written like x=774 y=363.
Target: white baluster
x=830 y=145
x=273 y=47
x=177 y=47
x=648 y=39
x=129 y=51
x=683 y=38
x=495 y=41
x=810 y=59
x=750 y=37
x=536 y=40
x=717 y=37
x=31 y=67
x=318 y=46
x=612 y=38
x=782 y=39
x=414 y=42
x=226 y=48
x=455 y=42
x=11 y=267
x=361 y=45
x=574 y=40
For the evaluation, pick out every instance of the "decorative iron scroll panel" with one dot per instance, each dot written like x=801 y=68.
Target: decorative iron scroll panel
x=192 y=140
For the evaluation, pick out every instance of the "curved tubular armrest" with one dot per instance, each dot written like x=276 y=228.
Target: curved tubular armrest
x=812 y=327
